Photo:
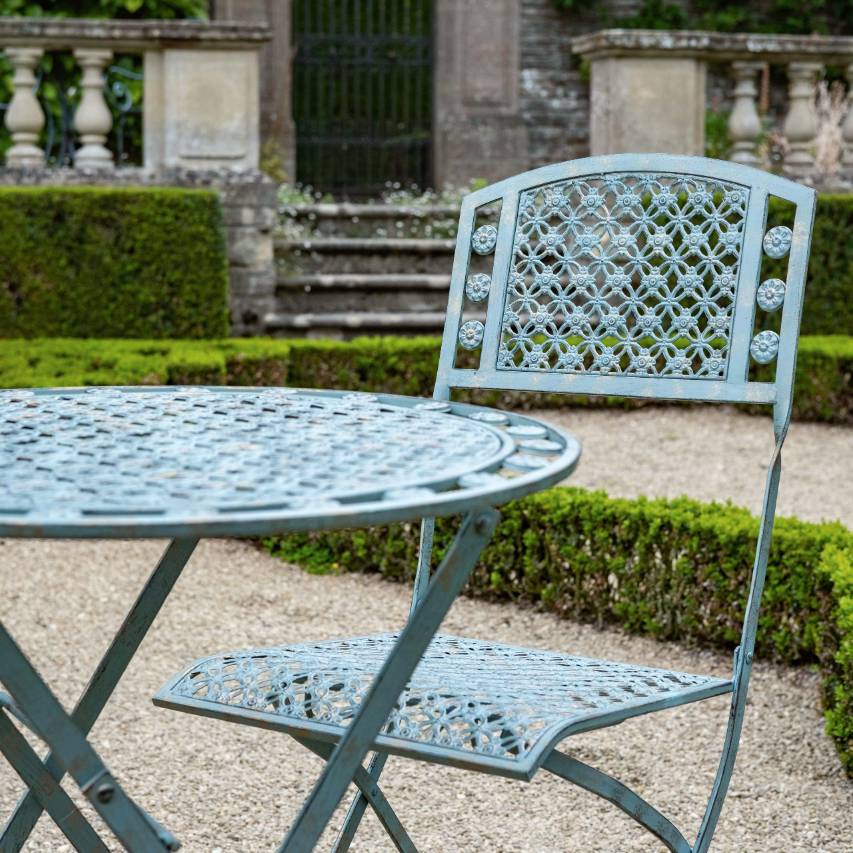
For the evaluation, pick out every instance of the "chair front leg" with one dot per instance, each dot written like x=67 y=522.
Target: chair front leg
x=345 y=761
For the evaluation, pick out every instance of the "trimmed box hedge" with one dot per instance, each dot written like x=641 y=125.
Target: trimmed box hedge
x=673 y=569
x=396 y=365
x=828 y=307
x=112 y=263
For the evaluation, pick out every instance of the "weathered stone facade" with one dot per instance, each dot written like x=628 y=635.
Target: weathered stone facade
x=554 y=87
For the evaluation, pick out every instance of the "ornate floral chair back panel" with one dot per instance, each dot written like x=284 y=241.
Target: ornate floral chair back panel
x=637 y=275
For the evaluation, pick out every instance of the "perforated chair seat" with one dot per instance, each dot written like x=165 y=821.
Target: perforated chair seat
x=470 y=703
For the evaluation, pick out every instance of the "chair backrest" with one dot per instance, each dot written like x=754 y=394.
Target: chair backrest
x=634 y=275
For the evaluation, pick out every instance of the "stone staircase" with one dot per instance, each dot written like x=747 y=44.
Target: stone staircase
x=357 y=269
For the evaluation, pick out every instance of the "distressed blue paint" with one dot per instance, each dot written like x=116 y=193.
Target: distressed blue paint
x=191 y=462
x=443 y=459
x=104 y=680
x=516 y=265
x=469 y=703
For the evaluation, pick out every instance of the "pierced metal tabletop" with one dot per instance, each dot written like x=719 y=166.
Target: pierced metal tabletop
x=156 y=462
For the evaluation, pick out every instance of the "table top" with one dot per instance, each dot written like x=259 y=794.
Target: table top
x=223 y=461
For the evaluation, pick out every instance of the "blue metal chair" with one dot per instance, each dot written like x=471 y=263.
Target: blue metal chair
x=632 y=275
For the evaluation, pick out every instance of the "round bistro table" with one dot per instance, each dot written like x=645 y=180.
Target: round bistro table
x=185 y=463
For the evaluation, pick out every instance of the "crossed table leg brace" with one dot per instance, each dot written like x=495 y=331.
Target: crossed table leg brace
x=31 y=701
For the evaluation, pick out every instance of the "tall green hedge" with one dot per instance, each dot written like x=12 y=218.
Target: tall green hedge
x=112 y=263
x=824 y=381
x=673 y=569
x=828 y=308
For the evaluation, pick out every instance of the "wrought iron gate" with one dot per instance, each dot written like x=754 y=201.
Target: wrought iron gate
x=362 y=94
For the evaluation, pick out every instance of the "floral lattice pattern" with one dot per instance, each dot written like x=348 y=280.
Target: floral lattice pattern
x=466 y=695
x=624 y=274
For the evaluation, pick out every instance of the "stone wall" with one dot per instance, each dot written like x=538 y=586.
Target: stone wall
x=250 y=213
x=554 y=92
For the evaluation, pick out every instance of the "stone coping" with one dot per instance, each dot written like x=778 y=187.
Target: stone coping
x=715 y=46
x=68 y=33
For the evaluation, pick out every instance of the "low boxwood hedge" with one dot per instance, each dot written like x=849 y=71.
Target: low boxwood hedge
x=112 y=262
x=396 y=365
x=673 y=569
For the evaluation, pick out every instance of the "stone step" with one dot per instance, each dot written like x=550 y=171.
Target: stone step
x=374 y=220
x=360 y=293
x=364 y=255
x=356 y=281
x=347 y=324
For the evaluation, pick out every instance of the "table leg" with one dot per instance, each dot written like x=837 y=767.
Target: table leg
x=390 y=682
x=105 y=678
x=72 y=749
x=47 y=790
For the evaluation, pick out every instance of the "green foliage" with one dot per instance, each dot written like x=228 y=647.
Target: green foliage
x=671 y=569
x=718 y=143
x=828 y=307
x=772 y=16
x=824 y=382
x=133 y=263
x=105 y=8
x=837 y=652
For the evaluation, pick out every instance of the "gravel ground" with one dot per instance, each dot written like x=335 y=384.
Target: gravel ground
x=653 y=451
x=226 y=788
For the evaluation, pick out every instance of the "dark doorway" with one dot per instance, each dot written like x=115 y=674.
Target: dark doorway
x=362 y=94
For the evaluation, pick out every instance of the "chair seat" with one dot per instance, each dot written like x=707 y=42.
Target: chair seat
x=470 y=703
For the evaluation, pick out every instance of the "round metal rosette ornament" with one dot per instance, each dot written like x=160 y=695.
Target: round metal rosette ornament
x=771 y=294
x=477 y=287
x=777 y=241
x=764 y=347
x=484 y=239
x=471 y=334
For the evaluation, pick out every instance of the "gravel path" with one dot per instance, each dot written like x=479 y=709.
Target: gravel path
x=712 y=453
x=226 y=788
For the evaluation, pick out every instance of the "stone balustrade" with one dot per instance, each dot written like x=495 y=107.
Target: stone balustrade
x=200 y=97
x=648 y=92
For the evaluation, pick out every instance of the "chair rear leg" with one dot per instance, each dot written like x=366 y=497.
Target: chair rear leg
x=727 y=759
x=370 y=792
x=358 y=806
x=620 y=795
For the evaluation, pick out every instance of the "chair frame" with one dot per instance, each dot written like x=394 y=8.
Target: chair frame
x=735 y=388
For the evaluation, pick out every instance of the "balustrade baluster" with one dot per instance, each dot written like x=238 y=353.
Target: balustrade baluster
x=93 y=118
x=800 y=126
x=24 y=117
x=744 y=122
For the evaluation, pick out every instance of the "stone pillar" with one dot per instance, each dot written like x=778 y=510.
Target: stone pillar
x=478 y=131
x=278 y=132
x=24 y=118
x=744 y=123
x=250 y=210
x=201 y=108
x=93 y=119
x=653 y=104
x=847 y=131
x=800 y=126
